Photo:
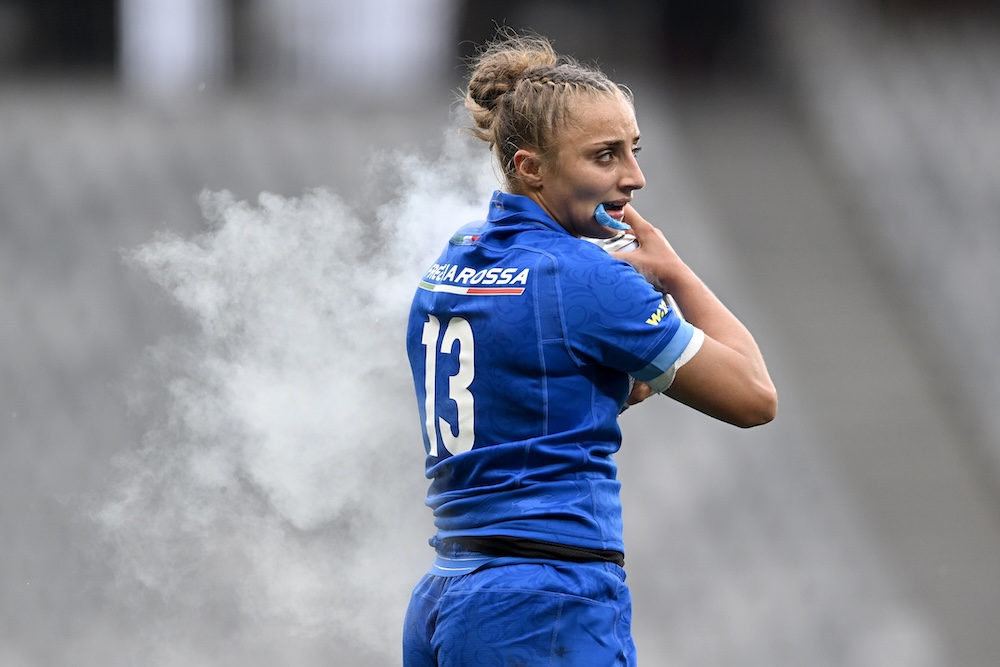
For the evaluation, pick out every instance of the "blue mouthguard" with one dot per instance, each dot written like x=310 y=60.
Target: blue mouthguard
x=606 y=220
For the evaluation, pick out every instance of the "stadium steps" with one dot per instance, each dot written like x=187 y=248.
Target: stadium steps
x=909 y=488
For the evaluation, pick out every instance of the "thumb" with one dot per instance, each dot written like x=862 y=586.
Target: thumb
x=646 y=233
x=640 y=227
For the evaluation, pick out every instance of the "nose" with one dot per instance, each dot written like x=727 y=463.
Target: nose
x=632 y=177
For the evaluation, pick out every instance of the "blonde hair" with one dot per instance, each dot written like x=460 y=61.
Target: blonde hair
x=519 y=94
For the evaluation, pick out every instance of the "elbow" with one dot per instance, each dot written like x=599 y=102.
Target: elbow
x=759 y=410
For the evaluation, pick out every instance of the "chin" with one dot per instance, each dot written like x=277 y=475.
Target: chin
x=601 y=232
x=592 y=229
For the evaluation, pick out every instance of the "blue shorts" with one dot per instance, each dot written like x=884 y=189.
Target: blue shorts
x=534 y=614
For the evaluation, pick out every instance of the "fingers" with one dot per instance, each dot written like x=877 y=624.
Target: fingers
x=641 y=228
x=640 y=392
x=633 y=219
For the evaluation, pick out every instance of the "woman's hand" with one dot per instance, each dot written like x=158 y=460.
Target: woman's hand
x=640 y=392
x=727 y=377
x=655 y=258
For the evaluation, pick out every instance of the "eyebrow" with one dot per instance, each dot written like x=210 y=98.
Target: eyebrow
x=613 y=143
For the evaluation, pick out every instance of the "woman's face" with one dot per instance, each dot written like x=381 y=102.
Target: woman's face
x=593 y=163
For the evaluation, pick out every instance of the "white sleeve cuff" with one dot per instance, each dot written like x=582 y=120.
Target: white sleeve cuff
x=663 y=382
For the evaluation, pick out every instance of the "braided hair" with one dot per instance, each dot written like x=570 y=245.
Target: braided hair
x=520 y=92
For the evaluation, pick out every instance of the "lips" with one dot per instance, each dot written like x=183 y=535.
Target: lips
x=615 y=209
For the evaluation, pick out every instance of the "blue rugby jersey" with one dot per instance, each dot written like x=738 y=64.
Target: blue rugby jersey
x=521 y=339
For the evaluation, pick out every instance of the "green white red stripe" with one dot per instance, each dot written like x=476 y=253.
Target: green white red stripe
x=470 y=291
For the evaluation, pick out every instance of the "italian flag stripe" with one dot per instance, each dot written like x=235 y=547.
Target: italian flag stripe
x=482 y=291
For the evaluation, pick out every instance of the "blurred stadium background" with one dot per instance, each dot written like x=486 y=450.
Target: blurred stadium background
x=831 y=168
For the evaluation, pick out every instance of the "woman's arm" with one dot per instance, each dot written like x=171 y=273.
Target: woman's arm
x=727 y=378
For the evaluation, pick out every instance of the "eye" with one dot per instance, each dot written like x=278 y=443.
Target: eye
x=635 y=150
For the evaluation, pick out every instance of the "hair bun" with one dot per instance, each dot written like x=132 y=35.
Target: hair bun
x=520 y=94
x=498 y=69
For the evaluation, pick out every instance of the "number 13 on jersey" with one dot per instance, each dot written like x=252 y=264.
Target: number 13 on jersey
x=455 y=437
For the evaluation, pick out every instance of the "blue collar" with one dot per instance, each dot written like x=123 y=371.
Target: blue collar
x=507 y=209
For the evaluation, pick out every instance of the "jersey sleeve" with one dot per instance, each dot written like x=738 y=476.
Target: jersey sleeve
x=616 y=318
x=659 y=374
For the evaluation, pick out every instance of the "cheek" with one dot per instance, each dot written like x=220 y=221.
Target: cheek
x=590 y=188
x=585 y=200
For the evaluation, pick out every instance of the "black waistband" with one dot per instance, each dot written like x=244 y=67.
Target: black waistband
x=502 y=545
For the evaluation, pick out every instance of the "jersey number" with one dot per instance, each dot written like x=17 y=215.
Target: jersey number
x=458 y=437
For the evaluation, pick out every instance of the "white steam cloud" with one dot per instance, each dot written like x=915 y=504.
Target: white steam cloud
x=275 y=503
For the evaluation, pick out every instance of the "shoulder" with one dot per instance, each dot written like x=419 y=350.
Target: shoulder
x=585 y=261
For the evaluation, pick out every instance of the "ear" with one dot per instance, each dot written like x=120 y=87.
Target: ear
x=528 y=166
